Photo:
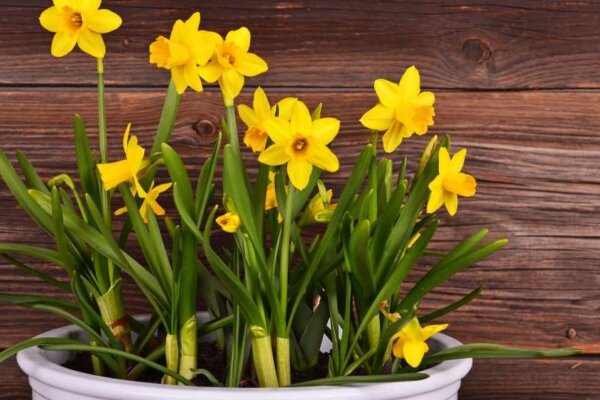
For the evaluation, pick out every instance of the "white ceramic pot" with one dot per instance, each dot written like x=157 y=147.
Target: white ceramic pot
x=49 y=380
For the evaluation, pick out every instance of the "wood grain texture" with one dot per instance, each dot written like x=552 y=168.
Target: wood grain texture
x=340 y=43
x=517 y=83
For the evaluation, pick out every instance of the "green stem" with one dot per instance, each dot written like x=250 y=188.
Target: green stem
x=97 y=365
x=171 y=358
x=285 y=252
x=262 y=355
x=188 y=338
x=114 y=315
x=232 y=128
x=374 y=332
x=101 y=113
x=283 y=361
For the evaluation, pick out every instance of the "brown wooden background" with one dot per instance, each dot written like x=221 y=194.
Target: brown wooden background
x=517 y=82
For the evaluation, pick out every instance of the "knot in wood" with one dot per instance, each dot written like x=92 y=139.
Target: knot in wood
x=476 y=50
x=206 y=130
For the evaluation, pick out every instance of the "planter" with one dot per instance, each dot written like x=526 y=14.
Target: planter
x=49 y=380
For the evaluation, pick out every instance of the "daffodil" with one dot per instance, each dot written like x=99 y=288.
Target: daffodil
x=255 y=118
x=284 y=107
x=150 y=201
x=410 y=342
x=402 y=109
x=81 y=23
x=450 y=183
x=183 y=52
x=302 y=144
x=319 y=209
x=231 y=62
x=127 y=170
x=270 y=194
x=229 y=222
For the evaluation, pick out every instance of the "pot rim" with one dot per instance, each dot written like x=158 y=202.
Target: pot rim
x=36 y=364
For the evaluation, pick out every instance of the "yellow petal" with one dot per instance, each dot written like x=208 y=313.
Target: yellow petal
x=413 y=352
x=397 y=349
x=429 y=331
x=426 y=99
x=240 y=37
x=178 y=77
x=193 y=22
x=229 y=222
x=462 y=184
x=191 y=77
x=114 y=173
x=451 y=201
x=247 y=115
x=62 y=44
x=410 y=83
x=278 y=129
x=231 y=83
x=120 y=211
x=285 y=107
x=163 y=187
x=275 y=154
x=322 y=157
x=204 y=46
x=251 y=65
x=91 y=43
x=126 y=137
x=436 y=200
x=458 y=161
x=299 y=173
x=260 y=103
x=103 y=21
x=211 y=72
x=387 y=92
x=301 y=121
x=50 y=19
x=156 y=208
x=178 y=32
x=89 y=5
x=392 y=138
x=256 y=139
x=325 y=129
x=159 y=52
x=378 y=118
x=443 y=160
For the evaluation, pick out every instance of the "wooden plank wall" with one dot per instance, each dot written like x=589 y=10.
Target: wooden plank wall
x=517 y=82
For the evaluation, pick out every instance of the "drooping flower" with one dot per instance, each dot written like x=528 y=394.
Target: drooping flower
x=410 y=342
x=231 y=62
x=114 y=173
x=302 y=144
x=81 y=23
x=183 y=52
x=271 y=195
x=402 y=109
x=255 y=118
x=150 y=201
x=229 y=222
x=450 y=183
x=319 y=210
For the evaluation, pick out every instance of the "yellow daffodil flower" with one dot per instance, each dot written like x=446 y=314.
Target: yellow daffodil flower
x=231 y=62
x=318 y=210
x=183 y=52
x=284 y=107
x=115 y=173
x=150 y=201
x=255 y=118
x=302 y=144
x=271 y=195
x=81 y=23
x=450 y=183
x=402 y=109
x=229 y=222
x=410 y=342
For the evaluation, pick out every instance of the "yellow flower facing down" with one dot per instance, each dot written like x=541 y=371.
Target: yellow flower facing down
x=255 y=118
x=410 y=342
x=271 y=194
x=150 y=201
x=183 y=52
x=450 y=183
x=302 y=144
x=229 y=222
x=81 y=23
x=402 y=109
x=318 y=210
x=232 y=62
x=114 y=173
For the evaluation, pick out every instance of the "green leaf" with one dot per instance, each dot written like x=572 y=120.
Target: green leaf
x=28 y=299
x=59 y=233
x=358 y=259
x=31 y=176
x=179 y=177
x=208 y=375
x=86 y=165
x=38 y=274
x=452 y=307
x=32 y=251
x=204 y=184
x=167 y=118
